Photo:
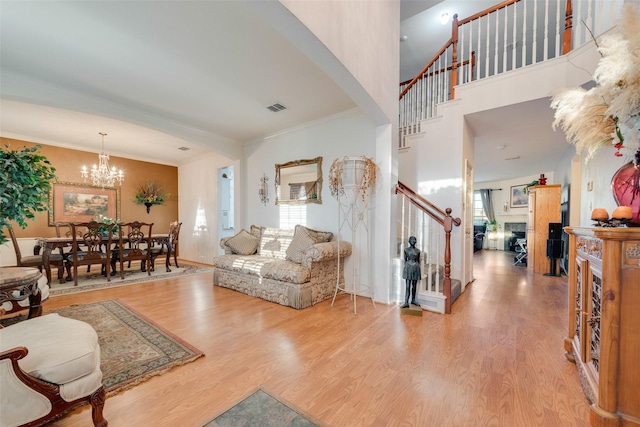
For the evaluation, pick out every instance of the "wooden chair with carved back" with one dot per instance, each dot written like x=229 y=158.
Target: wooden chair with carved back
x=169 y=247
x=134 y=244
x=91 y=245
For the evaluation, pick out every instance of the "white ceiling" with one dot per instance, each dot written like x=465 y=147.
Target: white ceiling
x=157 y=76
x=201 y=72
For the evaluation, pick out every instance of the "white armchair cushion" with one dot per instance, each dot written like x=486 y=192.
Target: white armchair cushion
x=60 y=349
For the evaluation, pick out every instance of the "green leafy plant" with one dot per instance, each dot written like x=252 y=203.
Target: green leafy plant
x=150 y=192
x=114 y=223
x=531 y=184
x=25 y=181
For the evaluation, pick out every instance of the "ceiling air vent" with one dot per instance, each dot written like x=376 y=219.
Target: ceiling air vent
x=276 y=107
x=183 y=148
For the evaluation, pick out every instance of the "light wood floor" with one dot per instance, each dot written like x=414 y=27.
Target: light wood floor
x=497 y=360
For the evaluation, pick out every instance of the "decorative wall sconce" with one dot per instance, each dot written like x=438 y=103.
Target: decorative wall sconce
x=263 y=190
x=505 y=207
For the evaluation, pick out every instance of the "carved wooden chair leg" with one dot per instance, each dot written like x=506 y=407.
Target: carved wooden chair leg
x=97 y=405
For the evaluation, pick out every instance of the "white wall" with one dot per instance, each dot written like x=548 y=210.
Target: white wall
x=363 y=36
x=348 y=134
x=337 y=35
x=198 y=207
x=599 y=171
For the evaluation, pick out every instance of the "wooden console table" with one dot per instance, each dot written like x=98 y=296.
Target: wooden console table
x=20 y=283
x=604 y=321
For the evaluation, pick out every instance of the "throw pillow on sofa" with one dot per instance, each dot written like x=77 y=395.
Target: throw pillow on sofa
x=243 y=243
x=256 y=231
x=319 y=236
x=302 y=240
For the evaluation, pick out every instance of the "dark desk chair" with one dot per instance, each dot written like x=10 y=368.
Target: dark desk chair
x=91 y=245
x=36 y=259
x=135 y=245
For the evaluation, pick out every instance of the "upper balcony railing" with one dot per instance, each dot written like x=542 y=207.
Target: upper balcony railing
x=508 y=36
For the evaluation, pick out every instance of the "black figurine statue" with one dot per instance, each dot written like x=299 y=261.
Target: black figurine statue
x=411 y=272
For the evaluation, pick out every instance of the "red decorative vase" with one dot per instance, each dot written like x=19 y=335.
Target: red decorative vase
x=625 y=185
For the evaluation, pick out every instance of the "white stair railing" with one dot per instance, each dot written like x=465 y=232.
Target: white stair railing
x=509 y=36
x=432 y=228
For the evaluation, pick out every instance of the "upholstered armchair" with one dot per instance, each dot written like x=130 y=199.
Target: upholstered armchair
x=49 y=365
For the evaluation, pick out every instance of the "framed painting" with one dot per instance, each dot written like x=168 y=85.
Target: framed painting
x=518 y=198
x=70 y=202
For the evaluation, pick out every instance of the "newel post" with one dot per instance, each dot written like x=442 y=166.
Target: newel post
x=454 y=55
x=568 y=29
x=446 y=283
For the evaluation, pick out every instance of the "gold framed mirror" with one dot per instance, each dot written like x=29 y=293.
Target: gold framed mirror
x=299 y=182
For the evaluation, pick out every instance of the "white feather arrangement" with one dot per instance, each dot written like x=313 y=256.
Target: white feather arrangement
x=609 y=113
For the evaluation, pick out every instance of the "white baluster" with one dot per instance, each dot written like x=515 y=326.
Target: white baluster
x=513 y=49
x=486 y=71
x=470 y=67
x=445 y=78
x=478 y=50
x=578 y=27
x=545 y=55
x=534 y=48
x=460 y=75
x=559 y=25
x=430 y=257
x=438 y=287
x=504 y=41
x=496 y=50
x=524 y=35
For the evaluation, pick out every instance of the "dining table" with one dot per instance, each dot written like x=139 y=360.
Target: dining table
x=49 y=244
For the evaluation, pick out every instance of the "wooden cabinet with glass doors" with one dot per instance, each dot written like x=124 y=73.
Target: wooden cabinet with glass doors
x=604 y=321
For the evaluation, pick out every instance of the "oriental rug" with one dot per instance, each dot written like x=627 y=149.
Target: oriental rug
x=93 y=280
x=262 y=409
x=132 y=348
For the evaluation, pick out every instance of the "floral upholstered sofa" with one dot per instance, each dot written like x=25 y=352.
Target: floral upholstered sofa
x=296 y=268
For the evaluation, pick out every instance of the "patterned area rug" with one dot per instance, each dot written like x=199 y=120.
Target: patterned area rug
x=95 y=280
x=264 y=410
x=132 y=348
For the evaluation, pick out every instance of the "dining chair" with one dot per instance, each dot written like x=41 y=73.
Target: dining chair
x=134 y=243
x=36 y=260
x=64 y=230
x=91 y=245
x=169 y=246
x=174 y=234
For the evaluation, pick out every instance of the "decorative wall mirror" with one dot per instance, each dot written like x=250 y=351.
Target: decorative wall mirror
x=299 y=182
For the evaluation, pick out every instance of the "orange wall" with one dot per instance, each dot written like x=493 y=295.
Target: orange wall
x=68 y=163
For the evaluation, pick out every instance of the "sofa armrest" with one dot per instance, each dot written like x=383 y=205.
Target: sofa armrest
x=223 y=245
x=325 y=251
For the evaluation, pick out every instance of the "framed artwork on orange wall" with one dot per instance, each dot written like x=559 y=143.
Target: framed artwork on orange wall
x=71 y=202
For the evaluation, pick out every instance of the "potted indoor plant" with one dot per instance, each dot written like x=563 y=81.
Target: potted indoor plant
x=25 y=181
